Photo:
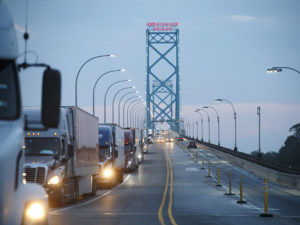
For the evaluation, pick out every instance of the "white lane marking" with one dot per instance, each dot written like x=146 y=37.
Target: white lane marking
x=87 y=202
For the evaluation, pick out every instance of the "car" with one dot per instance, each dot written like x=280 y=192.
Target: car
x=192 y=144
x=150 y=140
x=160 y=139
x=179 y=138
x=169 y=139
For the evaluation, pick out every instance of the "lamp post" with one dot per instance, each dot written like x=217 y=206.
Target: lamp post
x=113 y=101
x=193 y=131
x=105 y=95
x=119 y=105
x=125 y=105
x=102 y=75
x=218 y=120
x=276 y=69
x=208 y=119
x=135 y=114
x=234 y=117
x=258 y=113
x=132 y=112
x=90 y=59
x=132 y=102
x=201 y=124
x=197 y=130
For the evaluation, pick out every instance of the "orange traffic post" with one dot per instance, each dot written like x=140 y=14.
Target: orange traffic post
x=229 y=185
x=202 y=164
x=266 y=214
x=241 y=201
x=208 y=170
x=218 y=174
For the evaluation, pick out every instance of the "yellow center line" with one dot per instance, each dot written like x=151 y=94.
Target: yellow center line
x=160 y=216
x=171 y=194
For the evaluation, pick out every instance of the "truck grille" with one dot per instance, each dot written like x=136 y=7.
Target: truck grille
x=35 y=175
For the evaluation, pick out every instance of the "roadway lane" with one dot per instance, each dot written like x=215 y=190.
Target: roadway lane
x=136 y=201
x=169 y=188
x=284 y=202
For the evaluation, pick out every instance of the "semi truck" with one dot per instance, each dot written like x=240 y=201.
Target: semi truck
x=131 y=161
x=63 y=160
x=20 y=203
x=111 y=155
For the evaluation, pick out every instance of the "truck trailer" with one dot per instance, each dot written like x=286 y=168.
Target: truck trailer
x=63 y=160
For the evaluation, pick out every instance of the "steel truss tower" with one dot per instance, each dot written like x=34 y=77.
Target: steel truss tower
x=162 y=76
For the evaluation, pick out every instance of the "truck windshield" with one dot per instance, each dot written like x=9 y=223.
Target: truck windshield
x=104 y=152
x=42 y=146
x=9 y=91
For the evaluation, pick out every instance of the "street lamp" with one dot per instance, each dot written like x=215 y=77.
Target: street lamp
x=218 y=120
x=134 y=114
x=113 y=101
x=90 y=59
x=135 y=102
x=105 y=95
x=276 y=69
x=208 y=119
x=139 y=114
x=119 y=105
x=102 y=75
x=201 y=124
x=234 y=117
x=125 y=105
x=132 y=111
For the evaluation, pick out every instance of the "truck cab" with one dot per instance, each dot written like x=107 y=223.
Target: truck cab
x=131 y=161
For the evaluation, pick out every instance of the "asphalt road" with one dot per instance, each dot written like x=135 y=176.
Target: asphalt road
x=171 y=188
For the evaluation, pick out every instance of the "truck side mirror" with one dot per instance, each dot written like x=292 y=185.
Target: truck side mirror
x=71 y=150
x=51 y=95
x=116 y=153
x=56 y=156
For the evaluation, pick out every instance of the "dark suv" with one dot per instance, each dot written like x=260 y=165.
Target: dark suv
x=192 y=144
x=179 y=138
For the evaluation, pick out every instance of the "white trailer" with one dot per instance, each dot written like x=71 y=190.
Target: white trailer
x=63 y=160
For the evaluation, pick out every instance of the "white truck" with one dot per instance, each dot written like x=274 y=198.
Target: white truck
x=111 y=155
x=63 y=160
x=20 y=203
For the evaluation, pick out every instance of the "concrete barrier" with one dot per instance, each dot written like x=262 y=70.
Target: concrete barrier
x=281 y=178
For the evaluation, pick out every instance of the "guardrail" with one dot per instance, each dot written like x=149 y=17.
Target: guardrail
x=251 y=158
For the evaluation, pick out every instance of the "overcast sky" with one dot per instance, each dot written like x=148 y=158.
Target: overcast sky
x=225 y=49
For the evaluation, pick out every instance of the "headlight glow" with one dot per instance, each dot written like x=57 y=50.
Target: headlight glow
x=107 y=173
x=54 y=180
x=35 y=211
x=129 y=162
x=140 y=156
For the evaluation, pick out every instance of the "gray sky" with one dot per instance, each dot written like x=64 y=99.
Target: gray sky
x=225 y=49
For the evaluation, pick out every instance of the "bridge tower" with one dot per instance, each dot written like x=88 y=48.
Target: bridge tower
x=162 y=75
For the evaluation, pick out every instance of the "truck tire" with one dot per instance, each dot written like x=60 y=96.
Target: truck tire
x=94 y=186
x=75 y=191
x=121 y=174
x=60 y=198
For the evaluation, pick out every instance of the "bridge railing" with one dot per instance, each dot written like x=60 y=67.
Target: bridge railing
x=251 y=158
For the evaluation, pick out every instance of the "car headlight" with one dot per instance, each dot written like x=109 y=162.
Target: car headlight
x=54 y=180
x=107 y=173
x=140 y=155
x=129 y=162
x=35 y=212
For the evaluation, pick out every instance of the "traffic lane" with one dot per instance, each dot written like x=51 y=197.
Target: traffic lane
x=197 y=199
x=283 y=201
x=136 y=201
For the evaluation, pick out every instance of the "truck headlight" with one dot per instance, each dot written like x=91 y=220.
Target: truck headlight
x=107 y=173
x=54 y=180
x=140 y=155
x=35 y=213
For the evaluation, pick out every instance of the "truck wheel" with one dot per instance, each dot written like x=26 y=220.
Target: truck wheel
x=75 y=191
x=94 y=186
x=121 y=174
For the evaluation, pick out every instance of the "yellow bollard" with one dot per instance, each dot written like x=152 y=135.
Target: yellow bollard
x=266 y=214
x=241 y=201
x=208 y=170
x=202 y=164
x=229 y=181
x=218 y=173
